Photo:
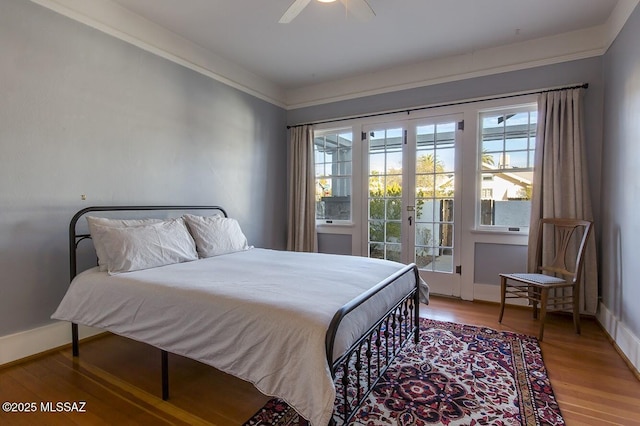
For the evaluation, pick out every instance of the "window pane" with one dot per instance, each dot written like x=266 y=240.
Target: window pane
x=376 y=231
x=377 y=163
x=394 y=209
x=394 y=162
x=444 y=262
x=393 y=186
x=392 y=232
x=425 y=136
x=492 y=145
x=376 y=250
x=447 y=210
x=424 y=234
x=445 y=160
x=377 y=209
x=393 y=252
x=446 y=234
x=507 y=145
x=516 y=160
x=333 y=169
x=376 y=186
x=491 y=161
x=516 y=144
x=424 y=258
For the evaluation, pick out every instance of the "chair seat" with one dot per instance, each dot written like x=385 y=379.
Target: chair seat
x=535 y=278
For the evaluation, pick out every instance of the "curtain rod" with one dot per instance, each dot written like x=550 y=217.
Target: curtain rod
x=410 y=110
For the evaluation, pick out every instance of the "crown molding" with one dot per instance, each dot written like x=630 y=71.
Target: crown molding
x=618 y=17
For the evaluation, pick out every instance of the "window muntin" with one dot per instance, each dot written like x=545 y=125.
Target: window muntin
x=507 y=148
x=333 y=171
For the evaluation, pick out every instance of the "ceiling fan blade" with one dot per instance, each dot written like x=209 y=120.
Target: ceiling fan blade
x=293 y=11
x=360 y=9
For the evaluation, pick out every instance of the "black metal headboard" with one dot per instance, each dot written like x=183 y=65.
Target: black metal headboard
x=75 y=238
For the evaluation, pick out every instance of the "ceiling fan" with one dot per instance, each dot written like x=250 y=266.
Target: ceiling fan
x=360 y=9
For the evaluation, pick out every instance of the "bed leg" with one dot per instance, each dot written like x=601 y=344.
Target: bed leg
x=165 y=375
x=74 y=339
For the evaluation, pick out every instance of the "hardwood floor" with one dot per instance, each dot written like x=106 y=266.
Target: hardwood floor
x=119 y=379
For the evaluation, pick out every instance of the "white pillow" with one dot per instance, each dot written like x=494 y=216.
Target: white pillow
x=113 y=223
x=146 y=246
x=216 y=235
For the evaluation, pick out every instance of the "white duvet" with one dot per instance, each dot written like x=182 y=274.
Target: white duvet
x=260 y=315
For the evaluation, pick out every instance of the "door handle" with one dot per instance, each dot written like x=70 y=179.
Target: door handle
x=410 y=220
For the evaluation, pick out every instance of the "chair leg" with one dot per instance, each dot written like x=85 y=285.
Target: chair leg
x=503 y=291
x=536 y=297
x=544 y=296
x=576 y=313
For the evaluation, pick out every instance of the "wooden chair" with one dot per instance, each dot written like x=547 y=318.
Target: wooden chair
x=565 y=237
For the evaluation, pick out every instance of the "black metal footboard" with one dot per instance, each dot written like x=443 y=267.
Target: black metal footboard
x=358 y=370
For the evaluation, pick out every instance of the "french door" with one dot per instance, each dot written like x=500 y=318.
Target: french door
x=413 y=200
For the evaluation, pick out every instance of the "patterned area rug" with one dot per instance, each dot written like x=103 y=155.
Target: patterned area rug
x=456 y=375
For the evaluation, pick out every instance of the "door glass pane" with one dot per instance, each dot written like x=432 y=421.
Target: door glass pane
x=392 y=232
x=446 y=159
x=394 y=209
x=444 y=261
x=393 y=252
x=385 y=193
x=376 y=231
x=435 y=187
x=376 y=250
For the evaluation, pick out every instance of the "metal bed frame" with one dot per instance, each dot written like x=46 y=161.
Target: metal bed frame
x=355 y=372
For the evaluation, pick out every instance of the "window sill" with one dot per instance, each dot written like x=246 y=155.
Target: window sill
x=499 y=232
x=337 y=227
x=499 y=236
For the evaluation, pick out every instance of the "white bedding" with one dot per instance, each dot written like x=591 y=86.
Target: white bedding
x=260 y=315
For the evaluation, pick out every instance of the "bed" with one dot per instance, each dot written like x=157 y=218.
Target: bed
x=315 y=330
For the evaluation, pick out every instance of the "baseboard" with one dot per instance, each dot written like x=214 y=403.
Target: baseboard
x=623 y=339
x=32 y=342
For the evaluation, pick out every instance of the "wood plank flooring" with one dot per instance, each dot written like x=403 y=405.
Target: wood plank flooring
x=119 y=379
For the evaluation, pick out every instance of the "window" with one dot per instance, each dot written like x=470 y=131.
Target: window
x=333 y=153
x=507 y=147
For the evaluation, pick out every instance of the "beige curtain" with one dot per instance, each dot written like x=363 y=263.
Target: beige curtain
x=561 y=185
x=301 y=234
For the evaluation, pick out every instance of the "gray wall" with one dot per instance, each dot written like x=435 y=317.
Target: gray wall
x=621 y=177
x=84 y=113
x=493 y=259
x=334 y=244
x=581 y=71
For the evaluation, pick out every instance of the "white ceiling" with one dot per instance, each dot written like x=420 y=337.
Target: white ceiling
x=326 y=54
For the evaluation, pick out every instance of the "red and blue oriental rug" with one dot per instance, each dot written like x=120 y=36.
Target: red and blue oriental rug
x=457 y=375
